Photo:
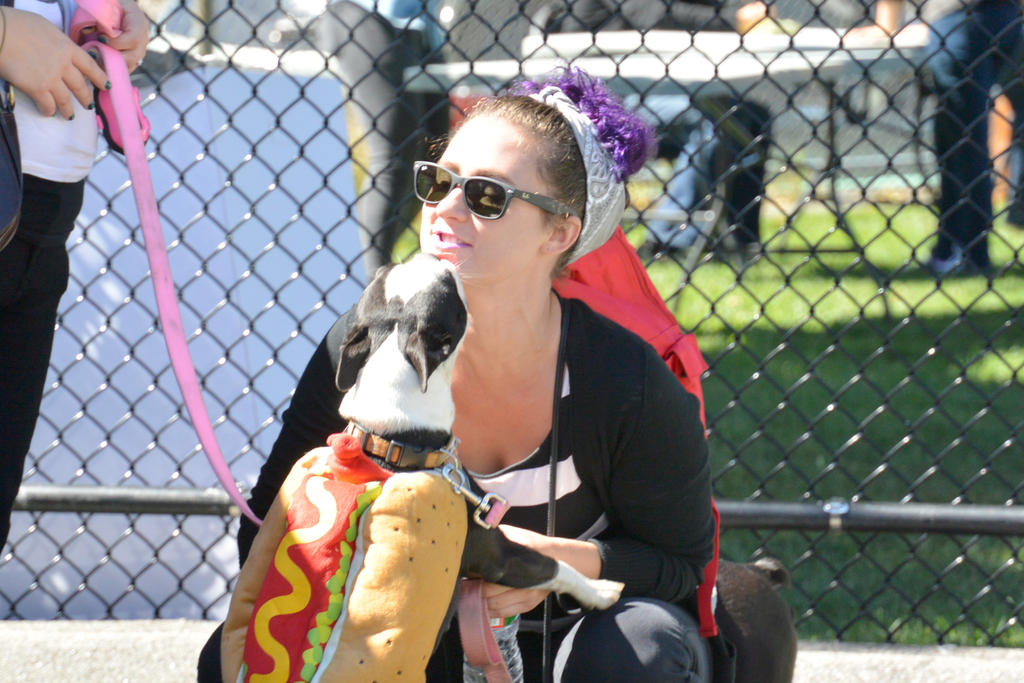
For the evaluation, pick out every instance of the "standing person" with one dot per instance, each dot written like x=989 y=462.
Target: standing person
x=973 y=45
x=374 y=43
x=718 y=140
x=53 y=80
x=631 y=465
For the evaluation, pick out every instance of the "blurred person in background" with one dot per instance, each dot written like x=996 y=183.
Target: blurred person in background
x=973 y=45
x=719 y=142
x=374 y=42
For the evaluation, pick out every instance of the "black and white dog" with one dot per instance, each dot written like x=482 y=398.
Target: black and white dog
x=396 y=369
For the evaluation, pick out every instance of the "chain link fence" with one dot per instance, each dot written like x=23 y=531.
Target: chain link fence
x=864 y=391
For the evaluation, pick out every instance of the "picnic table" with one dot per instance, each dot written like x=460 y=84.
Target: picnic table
x=665 y=62
x=833 y=99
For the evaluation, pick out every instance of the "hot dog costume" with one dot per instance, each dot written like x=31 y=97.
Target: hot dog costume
x=350 y=576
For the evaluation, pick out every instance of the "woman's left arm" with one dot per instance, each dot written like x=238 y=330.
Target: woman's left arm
x=659 y=491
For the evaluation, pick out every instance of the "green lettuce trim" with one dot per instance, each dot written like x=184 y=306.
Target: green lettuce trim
x=325 y=621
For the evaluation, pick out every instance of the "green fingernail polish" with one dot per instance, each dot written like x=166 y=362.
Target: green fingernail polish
x=71 y=118
x=92 y=105
x=107 y=86
x=102 y=39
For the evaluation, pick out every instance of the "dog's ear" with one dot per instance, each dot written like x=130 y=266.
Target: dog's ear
x=425 y=350
x=354 y=353
x=419 y=357
x=358 y=344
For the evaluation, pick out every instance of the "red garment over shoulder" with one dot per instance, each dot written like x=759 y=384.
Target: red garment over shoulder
x=613 y=282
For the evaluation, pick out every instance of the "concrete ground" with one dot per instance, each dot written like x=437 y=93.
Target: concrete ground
x=165 y=651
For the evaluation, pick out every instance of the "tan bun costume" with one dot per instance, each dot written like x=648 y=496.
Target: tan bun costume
x=350 y=576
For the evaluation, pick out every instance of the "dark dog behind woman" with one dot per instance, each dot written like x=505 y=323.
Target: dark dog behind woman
x=632 y=479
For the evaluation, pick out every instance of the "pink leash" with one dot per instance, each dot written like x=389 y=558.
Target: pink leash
x=106 y=17
x=475 y=631
x=478 y=642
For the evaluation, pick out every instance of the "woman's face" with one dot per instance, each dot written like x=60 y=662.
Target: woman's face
x=518 y=242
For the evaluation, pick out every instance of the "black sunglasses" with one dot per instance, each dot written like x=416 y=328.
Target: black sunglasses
x=485 y=197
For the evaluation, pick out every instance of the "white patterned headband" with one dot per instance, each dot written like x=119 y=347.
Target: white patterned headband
x=606 y=194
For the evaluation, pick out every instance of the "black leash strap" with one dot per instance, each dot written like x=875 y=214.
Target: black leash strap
x=553 y=477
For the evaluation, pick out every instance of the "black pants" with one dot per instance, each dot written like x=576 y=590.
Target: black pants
x=33 y=277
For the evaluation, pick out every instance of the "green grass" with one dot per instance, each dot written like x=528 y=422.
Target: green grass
x=823 y=386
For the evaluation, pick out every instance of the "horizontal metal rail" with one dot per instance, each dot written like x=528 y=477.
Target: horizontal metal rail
x=125 y=500
x=832 y=515
x=840 y=515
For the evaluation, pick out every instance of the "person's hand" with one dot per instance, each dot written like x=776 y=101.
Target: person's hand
x=134 y=35
x=503 y=601
x=42 y=62
x=750 y=15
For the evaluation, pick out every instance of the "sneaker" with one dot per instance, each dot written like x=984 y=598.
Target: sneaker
x=750 y=254
x=942 y=267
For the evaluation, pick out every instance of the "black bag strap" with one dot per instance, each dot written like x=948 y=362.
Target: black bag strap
x=7 y=101
x=552 y=475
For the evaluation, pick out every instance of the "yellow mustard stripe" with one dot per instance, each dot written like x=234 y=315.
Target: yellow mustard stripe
x=299 y=597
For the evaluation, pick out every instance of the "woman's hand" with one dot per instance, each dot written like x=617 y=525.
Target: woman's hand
x=875 y=35
x=134 y=35
x=43 y=63
x=503 y=601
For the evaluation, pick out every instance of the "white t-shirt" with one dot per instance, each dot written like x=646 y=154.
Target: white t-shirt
x=51 y=146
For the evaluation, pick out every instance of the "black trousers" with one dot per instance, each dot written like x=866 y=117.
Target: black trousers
x=33 y=277
x=636 y=639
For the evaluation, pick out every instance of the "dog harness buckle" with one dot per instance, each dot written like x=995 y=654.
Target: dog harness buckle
x=488 y=510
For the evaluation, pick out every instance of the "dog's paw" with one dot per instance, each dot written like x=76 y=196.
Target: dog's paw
x=589 y=593
x=606 y=593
